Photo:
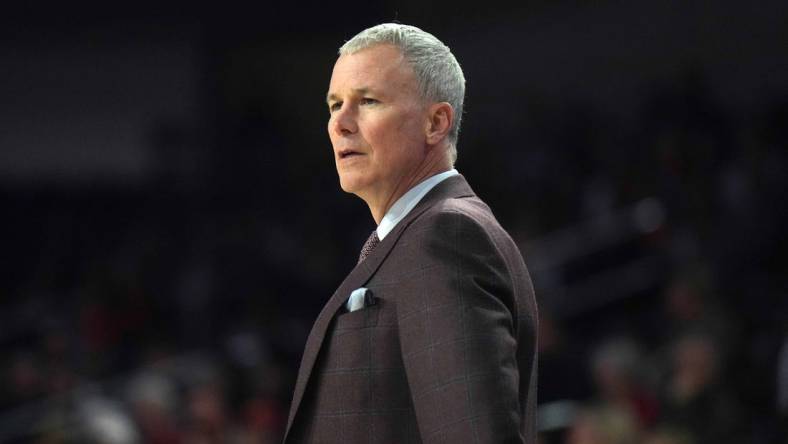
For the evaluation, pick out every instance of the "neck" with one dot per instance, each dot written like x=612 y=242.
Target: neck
x=425 y=171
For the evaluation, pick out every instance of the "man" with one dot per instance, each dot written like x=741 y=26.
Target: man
x=432 y=336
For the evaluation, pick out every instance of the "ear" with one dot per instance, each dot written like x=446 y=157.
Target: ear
x=440 y=116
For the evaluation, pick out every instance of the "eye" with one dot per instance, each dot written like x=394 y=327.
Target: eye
x=334 y=106
x=368 y=101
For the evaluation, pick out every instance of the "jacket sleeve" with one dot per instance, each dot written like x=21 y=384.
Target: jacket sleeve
x=458 y=334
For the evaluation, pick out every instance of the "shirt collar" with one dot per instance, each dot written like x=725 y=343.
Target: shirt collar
x=404 y=204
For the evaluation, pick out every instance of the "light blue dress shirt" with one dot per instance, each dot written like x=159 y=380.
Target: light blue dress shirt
x=405 y=204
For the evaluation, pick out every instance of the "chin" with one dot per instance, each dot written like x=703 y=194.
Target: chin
x=348 y=184
x=352 y=183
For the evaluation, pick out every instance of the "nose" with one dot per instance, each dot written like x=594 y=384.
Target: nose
x=342 y=122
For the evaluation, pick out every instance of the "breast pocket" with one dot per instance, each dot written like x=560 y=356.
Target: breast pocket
x=351 y=340
x=362 y=318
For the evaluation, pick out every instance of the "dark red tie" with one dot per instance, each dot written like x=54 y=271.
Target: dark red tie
x=369 y=245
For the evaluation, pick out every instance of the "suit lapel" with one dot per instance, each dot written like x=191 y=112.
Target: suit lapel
x=453 y=187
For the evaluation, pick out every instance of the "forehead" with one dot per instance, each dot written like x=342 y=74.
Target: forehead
x=378 y=67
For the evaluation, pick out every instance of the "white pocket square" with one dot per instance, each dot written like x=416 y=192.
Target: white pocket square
x=359 y=298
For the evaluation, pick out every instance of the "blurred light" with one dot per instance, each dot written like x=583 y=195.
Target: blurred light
x=153 y=389
x=557 y=415
x=648 y=215
x=105 y=422
x=245 y=349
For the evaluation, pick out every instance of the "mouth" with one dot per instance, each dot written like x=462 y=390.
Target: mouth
x=346 y=154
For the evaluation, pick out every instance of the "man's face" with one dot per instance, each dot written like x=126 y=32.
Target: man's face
x=377 y=124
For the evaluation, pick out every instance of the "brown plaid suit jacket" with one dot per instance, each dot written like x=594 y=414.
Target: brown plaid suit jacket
x=448 y=353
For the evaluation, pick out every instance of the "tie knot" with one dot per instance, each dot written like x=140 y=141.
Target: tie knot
x=369 y=245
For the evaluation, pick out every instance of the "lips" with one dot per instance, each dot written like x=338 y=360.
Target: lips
x=348 y=153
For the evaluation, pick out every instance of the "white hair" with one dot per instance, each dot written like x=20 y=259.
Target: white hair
x=438 y=73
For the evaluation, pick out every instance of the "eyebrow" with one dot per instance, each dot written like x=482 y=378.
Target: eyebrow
x=358 y=91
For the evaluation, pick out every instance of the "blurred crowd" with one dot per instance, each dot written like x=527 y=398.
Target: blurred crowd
x=699 y=356
x=166 y=316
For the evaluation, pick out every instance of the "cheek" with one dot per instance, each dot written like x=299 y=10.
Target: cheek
x=380 y=134
x=395 y=129
x=412 y=129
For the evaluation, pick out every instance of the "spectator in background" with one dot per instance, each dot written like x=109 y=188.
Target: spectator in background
x=22 y=379
x=153 y=400
x=559 y=359
x=691 y=306
x=616 y=373
x=208 y=419
x=603 y=425
x=667 y=435
x=695 y=398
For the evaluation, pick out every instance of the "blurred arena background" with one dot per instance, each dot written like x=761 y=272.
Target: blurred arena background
x=172 y=221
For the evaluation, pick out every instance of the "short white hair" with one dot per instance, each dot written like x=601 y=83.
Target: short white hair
x=439 y=76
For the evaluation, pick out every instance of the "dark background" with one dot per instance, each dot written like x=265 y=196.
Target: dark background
x=172 y=220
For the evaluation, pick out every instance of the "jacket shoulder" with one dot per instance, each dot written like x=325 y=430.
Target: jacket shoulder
x=470 y=214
